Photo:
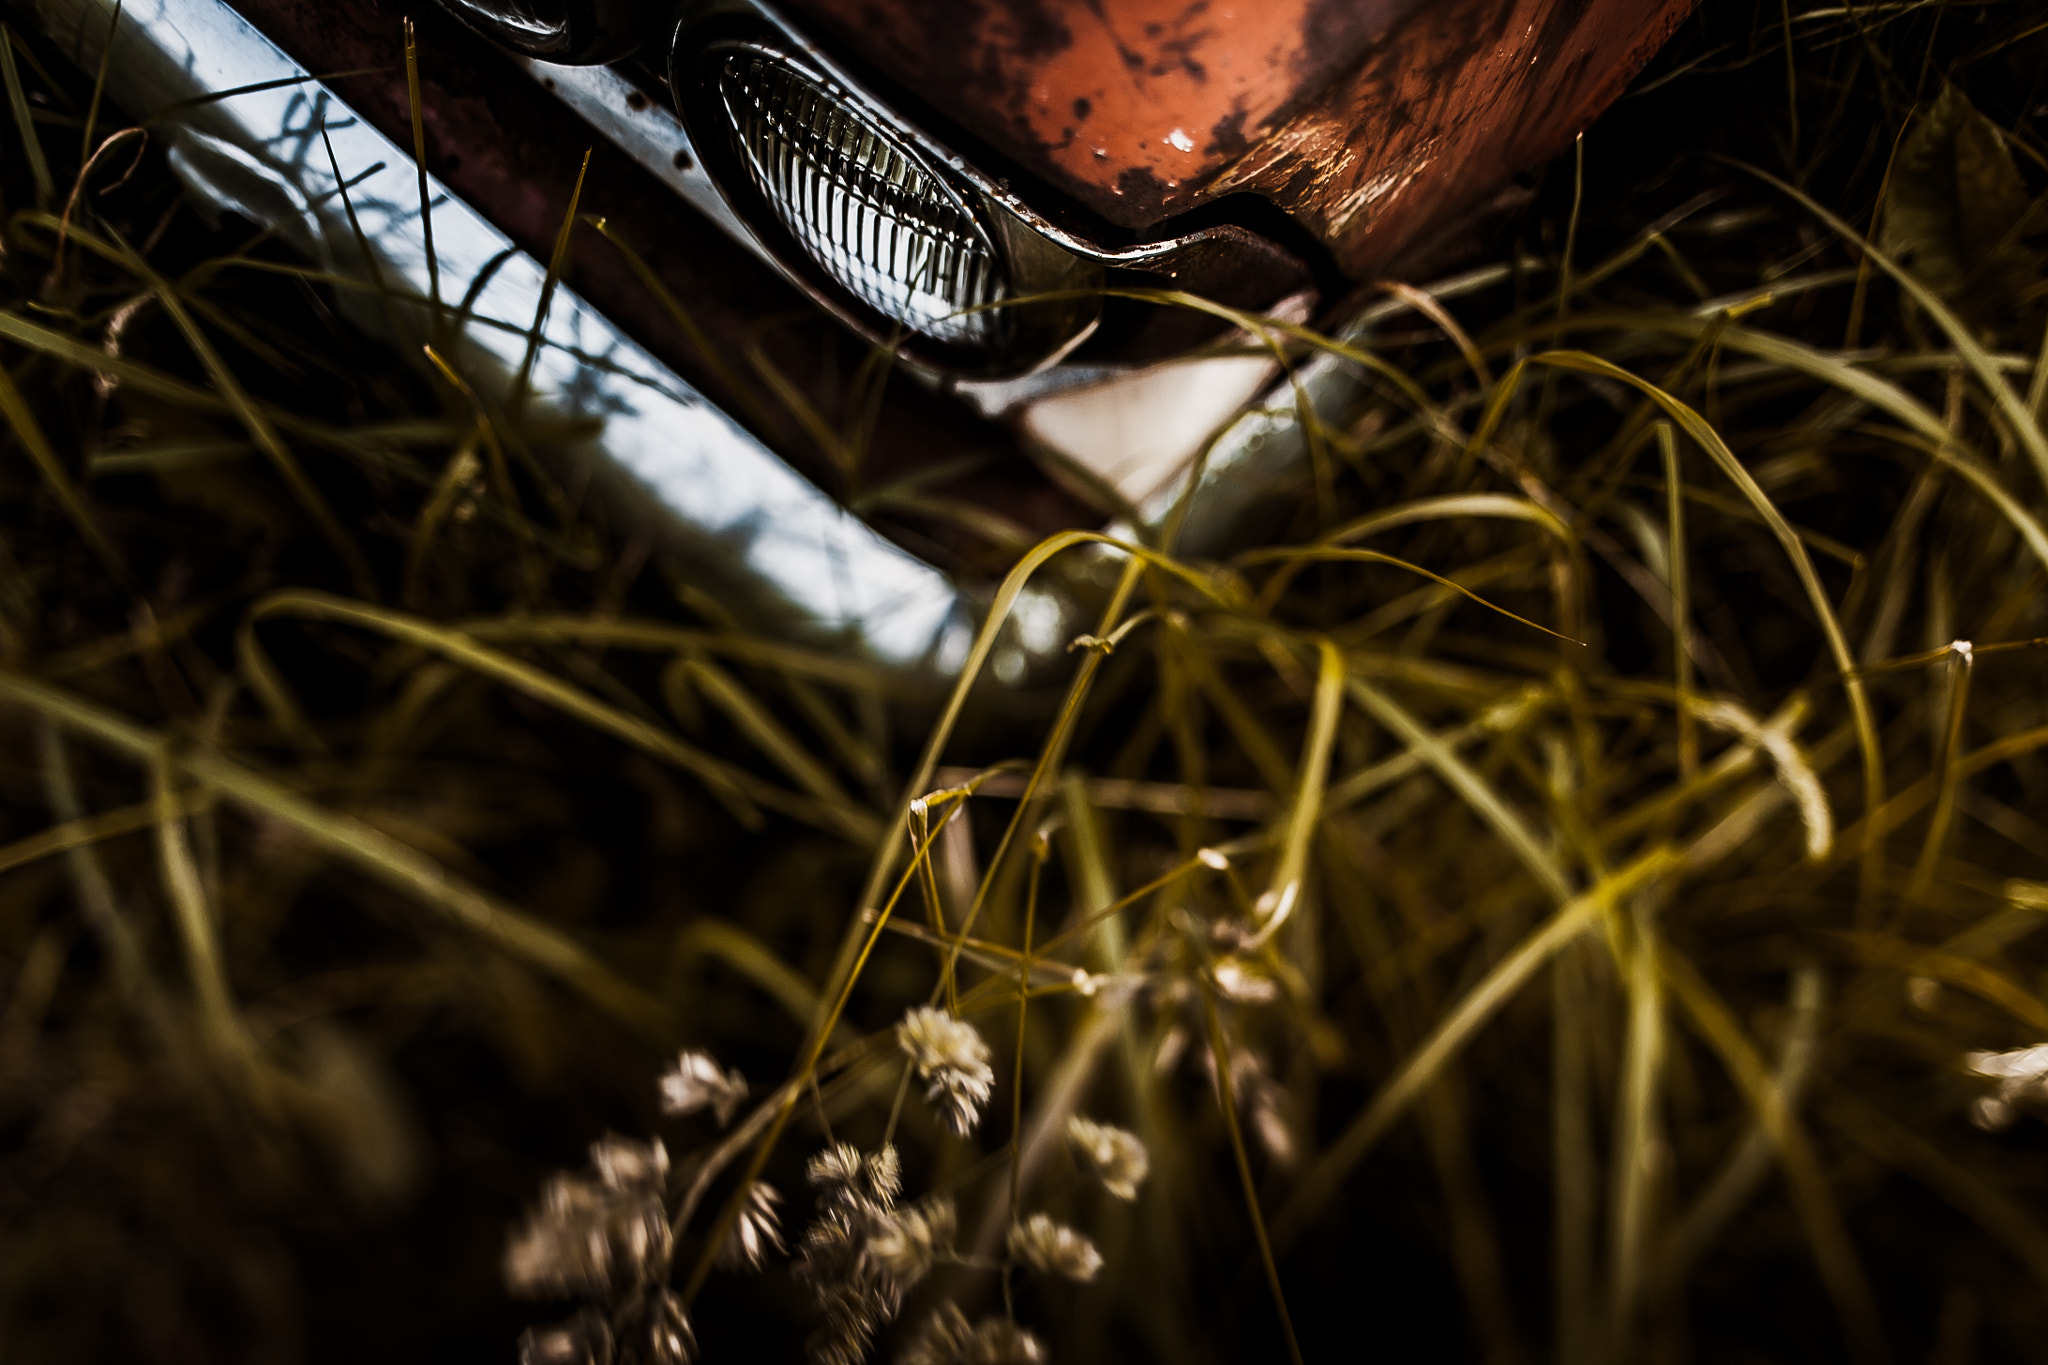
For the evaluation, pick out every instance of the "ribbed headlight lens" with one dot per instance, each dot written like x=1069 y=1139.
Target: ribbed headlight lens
x=862 y=203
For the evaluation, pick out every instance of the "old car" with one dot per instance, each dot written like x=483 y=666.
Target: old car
x=1017 y=200
x=1001 y=189
x=915 y=163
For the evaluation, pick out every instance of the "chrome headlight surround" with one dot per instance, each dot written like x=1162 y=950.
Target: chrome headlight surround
x=863 y=211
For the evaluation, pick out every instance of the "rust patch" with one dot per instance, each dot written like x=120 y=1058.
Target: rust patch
x=1159 y=76
x=1367 y=120
x=1434 y=122
x=1226 y=136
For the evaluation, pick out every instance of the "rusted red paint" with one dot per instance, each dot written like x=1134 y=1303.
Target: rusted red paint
x=1132 y=103
x=1434 y=121
x=1365 y=119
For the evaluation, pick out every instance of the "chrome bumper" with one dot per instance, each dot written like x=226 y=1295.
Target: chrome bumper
x=776 y=548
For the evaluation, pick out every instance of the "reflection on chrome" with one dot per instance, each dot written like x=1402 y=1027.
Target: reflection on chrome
x=546 y=19
x=763 y=538
x=862 y=204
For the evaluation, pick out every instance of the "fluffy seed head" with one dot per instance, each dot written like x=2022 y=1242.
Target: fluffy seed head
x=948 y=1339
x=587 y=1238
x=1114 y=1156
x=755 y=1231
x=1051 y=1248
x=859 y=1291
x=2023 y=1064
x=666 y=1330
x=901 y=1246
x=835 y=1167
x=1991 y=1113
x=2022 y=1077
x=694 y=1082
x=852 y=1306
x=582 y=1340
x=628 y=1166
x=952 y=1059
x=841 y=1174
x=882 y=1173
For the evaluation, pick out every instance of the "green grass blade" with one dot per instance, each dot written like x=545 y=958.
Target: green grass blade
x=1457 y=1028
x=259 y=426
x=31 y=142
x=2027 y=425
x=557 y=259
x=355 y=842
x=1812 y=1197
x=14 y=407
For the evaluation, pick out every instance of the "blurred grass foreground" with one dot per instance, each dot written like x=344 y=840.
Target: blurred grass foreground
x=1573 y=890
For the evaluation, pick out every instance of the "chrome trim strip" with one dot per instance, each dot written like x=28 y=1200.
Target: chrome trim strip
x=801 y=564
x=640 y=123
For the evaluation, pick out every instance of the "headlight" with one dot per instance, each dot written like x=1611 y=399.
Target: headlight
x=876 y=227
x=862 y=205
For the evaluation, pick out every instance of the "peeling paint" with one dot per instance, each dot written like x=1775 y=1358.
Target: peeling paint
x=1371 y=122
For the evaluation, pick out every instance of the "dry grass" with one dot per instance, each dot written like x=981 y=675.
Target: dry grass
x=1591 y=972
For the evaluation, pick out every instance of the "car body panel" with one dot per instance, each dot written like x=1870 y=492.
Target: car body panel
x=1371 y=119
x=1129 y=105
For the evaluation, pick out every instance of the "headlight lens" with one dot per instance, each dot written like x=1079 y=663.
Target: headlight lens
x=863 y=205
x=880 y=225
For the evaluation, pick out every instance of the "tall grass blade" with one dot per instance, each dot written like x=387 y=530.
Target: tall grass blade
x=1478 y=1006
x=355 y=842
x=1812 y=1197
x=14 y=407
x=24 y=122
x=1219 y=1048
x=419 y=161
x=557 y=259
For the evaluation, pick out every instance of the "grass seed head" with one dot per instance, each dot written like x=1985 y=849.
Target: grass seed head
x=588 y=1238
x=902 y=1246
x=2022 y=1076
x=585 y=1339
x=695 y=1082
x=1115 y=1156
x=757 y=1231
x=947 y=1338
x=667 y=1333
x=845 y=1177
x=882 y=1173
x=952 y=1059
x=1050 y=1248
x=859 y=1255
x=629 y=1166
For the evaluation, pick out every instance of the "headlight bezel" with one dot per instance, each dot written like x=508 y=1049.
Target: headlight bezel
x=1025 y=336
